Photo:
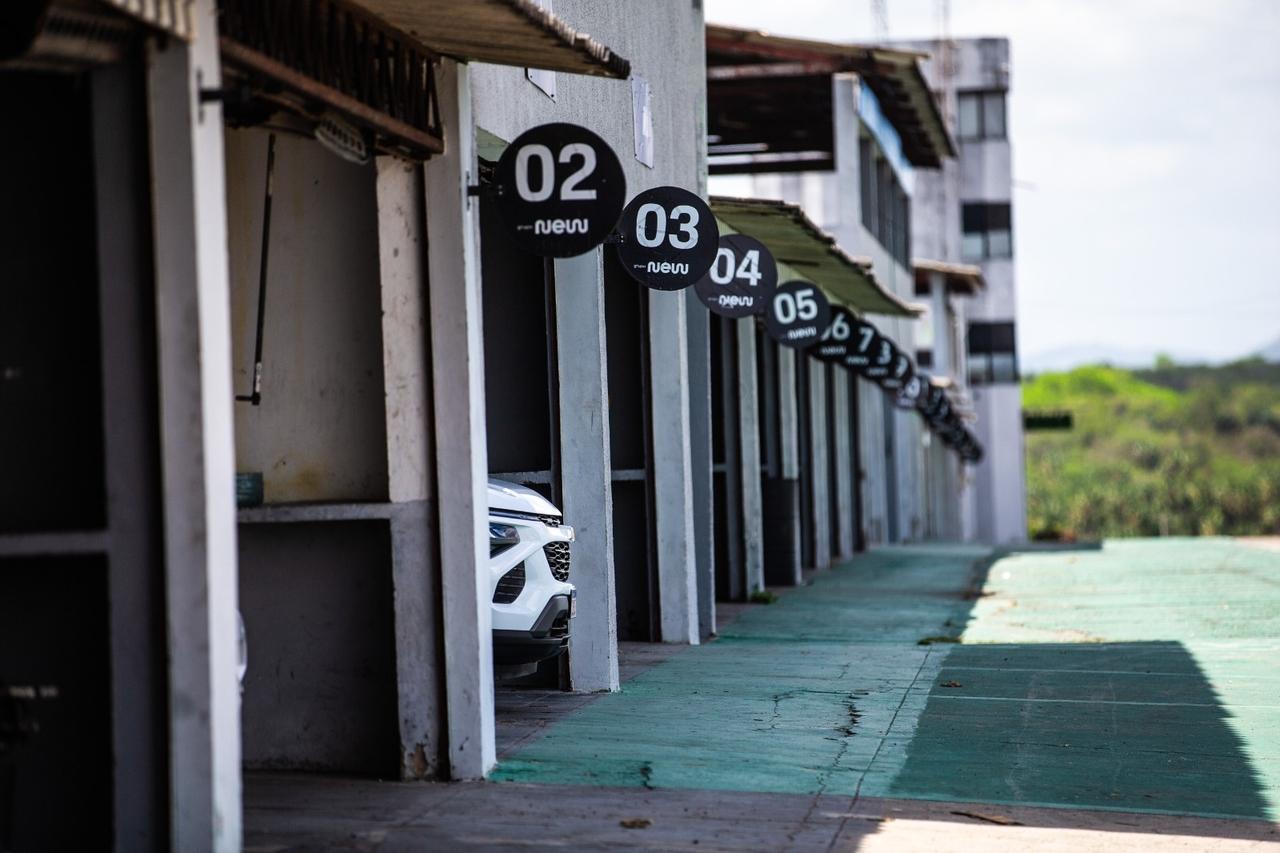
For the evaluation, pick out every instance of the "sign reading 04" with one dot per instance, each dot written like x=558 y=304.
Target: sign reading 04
x=669 y=238
x=742 y=278
x=798 y=314
x=561 y=190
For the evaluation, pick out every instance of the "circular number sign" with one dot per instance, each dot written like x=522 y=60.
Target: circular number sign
x=798 y=314
x=899 y=371
x=562 y=189
x=838 y=339
x=669 y=238
x=863 y=343
x=742 y=277
x=883 y=354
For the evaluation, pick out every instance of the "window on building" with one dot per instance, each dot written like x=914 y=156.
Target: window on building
x=993 y=355
x=982 y=115
x=987 y=231
x=886 y=207
x=867 y=184
x=924 y=358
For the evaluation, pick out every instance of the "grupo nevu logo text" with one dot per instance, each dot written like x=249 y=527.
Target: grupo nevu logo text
x=560 y=226
x=667 y=267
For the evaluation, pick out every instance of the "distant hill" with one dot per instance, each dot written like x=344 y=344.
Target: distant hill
x=1271 y=352
x=1174 y=450
x=1066 y=358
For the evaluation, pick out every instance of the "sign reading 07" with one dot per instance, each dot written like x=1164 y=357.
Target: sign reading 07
x=561 y=189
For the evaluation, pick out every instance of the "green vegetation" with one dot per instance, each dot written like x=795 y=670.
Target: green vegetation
x=1174 y=450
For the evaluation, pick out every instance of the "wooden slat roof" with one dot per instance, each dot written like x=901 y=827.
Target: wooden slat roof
x=894 y=75
x=964 y=278
x=505 y=32
x=802 y=248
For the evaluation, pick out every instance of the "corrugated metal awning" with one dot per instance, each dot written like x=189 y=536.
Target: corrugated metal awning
x=894 y=75
x=960 y=278
x=802 y=248
x=505 y=32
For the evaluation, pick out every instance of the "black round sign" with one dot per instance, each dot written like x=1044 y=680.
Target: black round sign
x=798 y=314
x=900 y=370
x=742 y=278
x=669 y=238
x=863 y=345
x=561 y=190
x=838 y=339
x=883 y=354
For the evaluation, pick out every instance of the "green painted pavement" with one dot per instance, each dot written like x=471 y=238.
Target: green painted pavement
x=1137 y=677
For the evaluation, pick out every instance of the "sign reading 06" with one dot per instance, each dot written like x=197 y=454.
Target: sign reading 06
x=561 y=189
x=839 y=338
x=668 y=237
x=798 y=314
x=742 y=278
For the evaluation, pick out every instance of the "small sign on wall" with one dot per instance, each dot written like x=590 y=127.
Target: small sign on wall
x=642 y=119
x=544 y=80
x=798 y=314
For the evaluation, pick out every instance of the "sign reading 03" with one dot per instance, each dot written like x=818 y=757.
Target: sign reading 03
x=742 y=278
x=798 y=314
x=669 y=238
x=561 y=189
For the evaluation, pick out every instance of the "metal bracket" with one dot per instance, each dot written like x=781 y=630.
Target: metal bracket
x=485 y=190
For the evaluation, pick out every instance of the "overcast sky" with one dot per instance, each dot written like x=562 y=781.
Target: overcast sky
x=1146 y=150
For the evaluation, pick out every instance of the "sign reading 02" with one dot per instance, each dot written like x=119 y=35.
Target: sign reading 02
x=561 y=190
x=798 y=314
x=742 y=278
x=669 y=238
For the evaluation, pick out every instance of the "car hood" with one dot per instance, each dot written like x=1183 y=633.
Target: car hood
x=515 y=498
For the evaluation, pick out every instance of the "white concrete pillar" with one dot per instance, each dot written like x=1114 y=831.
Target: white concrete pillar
x=789 y=437
x=587 y=490
x=462 y=459
x=406 y=370
x=672 y=467
x=749 y=457
x=819 y=459
x=193 y=330
x=843 y=450
x=699 y=331
x=875 y=483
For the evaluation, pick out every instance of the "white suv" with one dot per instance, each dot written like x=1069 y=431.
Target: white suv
x=528 y=576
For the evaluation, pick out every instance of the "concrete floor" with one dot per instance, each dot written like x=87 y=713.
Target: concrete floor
x=918 y=698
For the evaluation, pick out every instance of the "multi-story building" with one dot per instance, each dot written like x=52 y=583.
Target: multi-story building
x=963 y=213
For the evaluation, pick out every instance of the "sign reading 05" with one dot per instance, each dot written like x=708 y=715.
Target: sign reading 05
x=798 y=314
x=742 y=277
x=561 y=189
x=668 y=237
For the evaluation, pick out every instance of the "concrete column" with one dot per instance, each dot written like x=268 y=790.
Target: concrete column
x=672 y=467
x=193 y=331
x=749 y=459
x=406 y=370
x=585 y=468
x=819 y=458
x=699 y=331
x=462 y=459
x=843 y=451
x=789 y=435
x=875 y=483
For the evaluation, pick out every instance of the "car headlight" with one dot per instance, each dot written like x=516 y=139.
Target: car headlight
x=502 y=537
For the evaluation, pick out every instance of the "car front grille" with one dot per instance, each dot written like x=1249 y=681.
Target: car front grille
x=558 y=559
x=510 y=586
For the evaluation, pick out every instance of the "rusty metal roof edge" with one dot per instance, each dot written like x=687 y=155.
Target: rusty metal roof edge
x=617 y=66
x=862 y=265
x=906 y=60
